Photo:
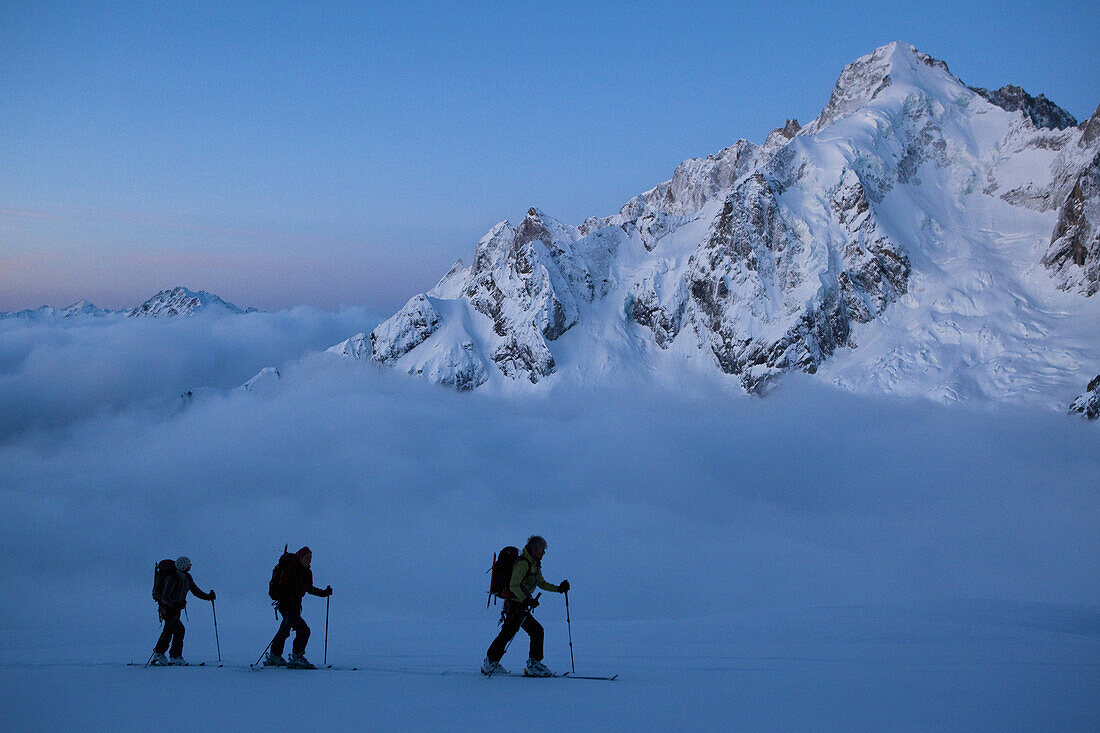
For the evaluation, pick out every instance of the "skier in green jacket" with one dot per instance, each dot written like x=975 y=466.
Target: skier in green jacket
x=526 y=576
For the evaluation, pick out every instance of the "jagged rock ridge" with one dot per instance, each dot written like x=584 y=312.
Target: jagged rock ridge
x=1041 y=111
x=1088 y=404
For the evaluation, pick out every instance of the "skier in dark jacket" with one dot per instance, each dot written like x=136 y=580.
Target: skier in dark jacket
x=291 y=580
x=526 y=576
x=173 y=599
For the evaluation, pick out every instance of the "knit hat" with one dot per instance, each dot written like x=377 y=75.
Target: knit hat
x=303 y=552
x=183 y=564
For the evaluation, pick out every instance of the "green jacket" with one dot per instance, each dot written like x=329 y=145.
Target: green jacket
x=526 y=575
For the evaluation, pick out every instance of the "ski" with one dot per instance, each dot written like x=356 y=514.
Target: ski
x=258 y=667
x=148 y=666
x=582 y=677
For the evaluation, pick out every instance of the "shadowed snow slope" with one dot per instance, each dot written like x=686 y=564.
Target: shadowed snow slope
x=919 y=238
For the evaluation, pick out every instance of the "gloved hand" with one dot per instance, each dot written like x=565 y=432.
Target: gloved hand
x=327 y=592
x=532 y=602
x=213 y=595
x=564 y=586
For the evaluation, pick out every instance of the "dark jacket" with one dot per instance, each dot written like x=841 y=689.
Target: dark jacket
x=296 y=580
x=176 y=587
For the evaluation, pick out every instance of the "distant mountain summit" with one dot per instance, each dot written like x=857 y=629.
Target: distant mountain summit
x=183 y=302
x=166 y=303
x=78 y=309
x=918 y=237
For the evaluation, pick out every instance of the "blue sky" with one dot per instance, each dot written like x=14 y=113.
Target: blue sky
x=337 y=154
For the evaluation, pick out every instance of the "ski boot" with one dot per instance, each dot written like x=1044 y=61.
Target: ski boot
x=177 y=661
x=158 y=660
x=274 y=660
x=489 y=667
x=299 y=661
x=535 y=668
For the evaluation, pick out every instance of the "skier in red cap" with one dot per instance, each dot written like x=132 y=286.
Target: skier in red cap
x=290 y=581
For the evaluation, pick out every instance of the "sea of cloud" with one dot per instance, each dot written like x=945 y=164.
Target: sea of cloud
x=56 y=372
x=656 y=505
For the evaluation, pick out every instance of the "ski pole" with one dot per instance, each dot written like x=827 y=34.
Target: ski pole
x=327 y=599
x=154 y=652
x=217 y=641
x=266 y=648
x=569 y=626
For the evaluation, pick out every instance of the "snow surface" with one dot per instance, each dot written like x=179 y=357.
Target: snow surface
x=815 y=560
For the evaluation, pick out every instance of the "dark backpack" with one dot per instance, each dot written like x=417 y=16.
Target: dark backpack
x=501 y=576
x=282 y=576
x=163 y=570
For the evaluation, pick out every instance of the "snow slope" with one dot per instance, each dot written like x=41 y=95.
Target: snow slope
x=919 y=237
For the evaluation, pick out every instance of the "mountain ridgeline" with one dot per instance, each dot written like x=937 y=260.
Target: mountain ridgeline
x=174 y=303
x=892 y=226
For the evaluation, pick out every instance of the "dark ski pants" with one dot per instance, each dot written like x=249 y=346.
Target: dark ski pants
x=172 y=634
x=292 y=619
x=515 y=618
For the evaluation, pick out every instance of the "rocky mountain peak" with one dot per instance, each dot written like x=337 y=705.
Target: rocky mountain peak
x=867 y=77
x=1042 y=112
x=180 y=301
x=791 y=128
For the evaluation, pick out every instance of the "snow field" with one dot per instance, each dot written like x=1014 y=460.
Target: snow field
x=839 y=668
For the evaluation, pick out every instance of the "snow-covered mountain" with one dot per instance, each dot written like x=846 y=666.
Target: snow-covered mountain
x=919 y=236
x=76 y=310
x=264 y=382
x=184 y=302
x=167 y=303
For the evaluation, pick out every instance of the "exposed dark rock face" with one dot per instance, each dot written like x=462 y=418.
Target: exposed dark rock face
x=516 y=282
x=411 y=327
x=1042 y=112
x=1088 y=404
x=1074 y=252
x=876 y=271
x=752 y=274
x=1092 y=129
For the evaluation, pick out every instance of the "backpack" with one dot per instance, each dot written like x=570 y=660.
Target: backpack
x=161 y=573
x=501 y=574
x=281 y=577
